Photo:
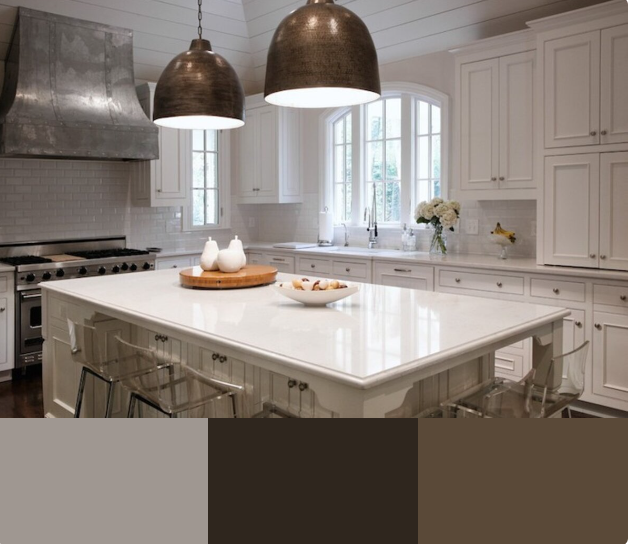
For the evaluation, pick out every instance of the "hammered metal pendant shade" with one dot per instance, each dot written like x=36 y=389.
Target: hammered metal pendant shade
x=200 y=90
x=322 y=56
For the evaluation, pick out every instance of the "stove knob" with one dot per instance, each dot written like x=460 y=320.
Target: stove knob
x=146 y=266
x=102 y=270
x=125 y=267
x=30 y=277
x=116 y=269
x=60 y=273
x=82 y=271
x=47 y=276
x=133 y=267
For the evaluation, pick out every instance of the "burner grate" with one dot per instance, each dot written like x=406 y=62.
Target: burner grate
x=24 y=260
x=108 y=253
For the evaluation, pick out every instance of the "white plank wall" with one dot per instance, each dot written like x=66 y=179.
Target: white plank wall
x=241 y=30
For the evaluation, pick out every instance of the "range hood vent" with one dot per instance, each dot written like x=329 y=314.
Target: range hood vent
x=69 y=92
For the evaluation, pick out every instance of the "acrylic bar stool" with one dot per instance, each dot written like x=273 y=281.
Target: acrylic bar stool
x=172 y=388
x=528 y=398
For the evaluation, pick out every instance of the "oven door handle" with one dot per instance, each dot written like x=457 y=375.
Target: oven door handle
x=29 y=297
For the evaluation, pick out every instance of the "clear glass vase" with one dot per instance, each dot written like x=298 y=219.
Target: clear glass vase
x=438 y=247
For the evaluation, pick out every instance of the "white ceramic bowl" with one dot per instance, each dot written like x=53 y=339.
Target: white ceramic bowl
x=316 y=298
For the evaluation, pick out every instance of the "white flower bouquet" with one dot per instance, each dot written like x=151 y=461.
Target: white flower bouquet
x=440 y=215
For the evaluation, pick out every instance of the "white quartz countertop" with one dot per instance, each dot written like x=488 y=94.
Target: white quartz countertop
x=483 y=262
x=377 y=335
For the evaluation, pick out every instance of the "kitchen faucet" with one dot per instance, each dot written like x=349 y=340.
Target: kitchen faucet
x=371 y=214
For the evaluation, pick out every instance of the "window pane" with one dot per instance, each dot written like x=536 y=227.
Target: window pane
x=374 y=162
x=381 y=203
x=393 y=202
x=349 y=170
x=212 y=170
x=348 y=202
x=198 y=207
x=438 y=190
x=393 y=118
x=436 y=157
x=393 y=160
x=374 y=120
x=339 y=132
x=339 y=164
x=349 y=128
x=212 y=208
x=423 y=154
x=424 y=118
x=424 y=191
x=435 y=120
x=212 y=140
x=198 y=143
x=339 y=200
x=198 y=171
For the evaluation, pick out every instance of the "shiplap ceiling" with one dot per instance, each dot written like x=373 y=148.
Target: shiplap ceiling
x=241 y=30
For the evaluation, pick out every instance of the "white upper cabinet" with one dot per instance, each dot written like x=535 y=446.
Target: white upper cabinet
x=163 y=182
x=615 y=85
x=270 y=155
x=495 y=133
x=572 y=91
x=572 y=210
x=613 y=211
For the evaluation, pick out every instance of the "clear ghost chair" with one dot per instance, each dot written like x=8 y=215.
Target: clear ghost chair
x=528 y=398
x=172 y=388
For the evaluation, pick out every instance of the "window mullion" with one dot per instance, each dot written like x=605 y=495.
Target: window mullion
x=409 y=142
x=358 y=151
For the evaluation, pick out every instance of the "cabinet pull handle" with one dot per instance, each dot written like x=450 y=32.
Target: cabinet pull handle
x=157 y=338
x=500 y=284
x=313 y=266
x=215 y=356
x=623 y=298
x=292 y=384
x=222 y=359
x=594 y=133
x=598 y=326
x=303 y=387
x=604 y=132
x=403 y=270
x=348 y=270
x=279 y=260
x=458 y=280
x=578 y=324
x=557 y=291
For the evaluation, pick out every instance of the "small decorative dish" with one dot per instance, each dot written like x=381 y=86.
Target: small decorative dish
x=308 y=296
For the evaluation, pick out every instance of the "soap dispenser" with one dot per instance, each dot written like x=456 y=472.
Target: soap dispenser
x=404 y=238
x=236 y=245
x=209 y=259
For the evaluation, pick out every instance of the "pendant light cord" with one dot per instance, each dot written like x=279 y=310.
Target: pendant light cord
x=200 y=19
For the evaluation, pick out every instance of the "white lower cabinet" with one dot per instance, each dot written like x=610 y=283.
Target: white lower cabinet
x=7 y=312
x=404 y=275
x=177 y=262
x=610 y=368
x=282 y=263
x=514 y=362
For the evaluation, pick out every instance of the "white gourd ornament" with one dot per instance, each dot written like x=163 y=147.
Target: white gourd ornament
x=236 y=245
x=209 y=259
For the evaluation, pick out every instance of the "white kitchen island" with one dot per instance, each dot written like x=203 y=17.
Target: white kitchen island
x=385 y=352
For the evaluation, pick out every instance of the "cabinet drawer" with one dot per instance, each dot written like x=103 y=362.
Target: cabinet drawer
x=558 y=290
x=175 y=262
x=404 y=275
x=254 y=258
x=610 y=295
x=351 y=270
x=282 y=263
x=314 y=266
x=490 y=283
x=509 y=365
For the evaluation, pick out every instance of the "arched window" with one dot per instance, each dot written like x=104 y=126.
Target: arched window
x=390 y=154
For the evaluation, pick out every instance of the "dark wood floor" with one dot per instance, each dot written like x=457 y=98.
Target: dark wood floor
x=23 y=397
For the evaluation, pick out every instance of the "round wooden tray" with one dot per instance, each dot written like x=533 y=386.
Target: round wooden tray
x=249 y=276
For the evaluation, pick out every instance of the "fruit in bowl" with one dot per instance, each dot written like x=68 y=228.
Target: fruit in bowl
x=316 y=292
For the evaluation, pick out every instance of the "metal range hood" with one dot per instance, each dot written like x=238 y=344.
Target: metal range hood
x=69 y=92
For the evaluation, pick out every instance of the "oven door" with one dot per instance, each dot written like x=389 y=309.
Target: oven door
x=29 y=328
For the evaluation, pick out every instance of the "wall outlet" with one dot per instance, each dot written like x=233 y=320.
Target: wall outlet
x=533 y=229
x=472 y=227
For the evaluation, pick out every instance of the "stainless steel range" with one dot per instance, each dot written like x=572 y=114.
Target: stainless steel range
x=40 y=262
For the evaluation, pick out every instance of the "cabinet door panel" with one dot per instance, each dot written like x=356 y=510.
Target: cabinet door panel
x=267 y=134
x=572 y=91
x=516 y=134
x=615 y=85
x=248 y=156
x=171 y=169
x=572 y=196
x=610 y=366
x=614 y=211
x=479 y=125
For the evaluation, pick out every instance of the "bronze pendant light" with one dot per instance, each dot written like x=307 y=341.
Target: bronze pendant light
x=199 y=89
x=322 y=56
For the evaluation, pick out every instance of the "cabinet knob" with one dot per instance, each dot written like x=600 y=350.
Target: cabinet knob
x=292 y=384
x=347 y=270
x=578 y=324
x=623 y=298
x=2 y=310
x=458 y=280
x=593 y=255
x=493 y=179
x=598 y=326
x=603 y=257
x=215 y=356
x=303 y=387
x=594 y=133
x=313 y=266
x=502 y=178
x=557 y=291
x=223 y=359
x=159 y=190
x=500 y=284
x=604 y=132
